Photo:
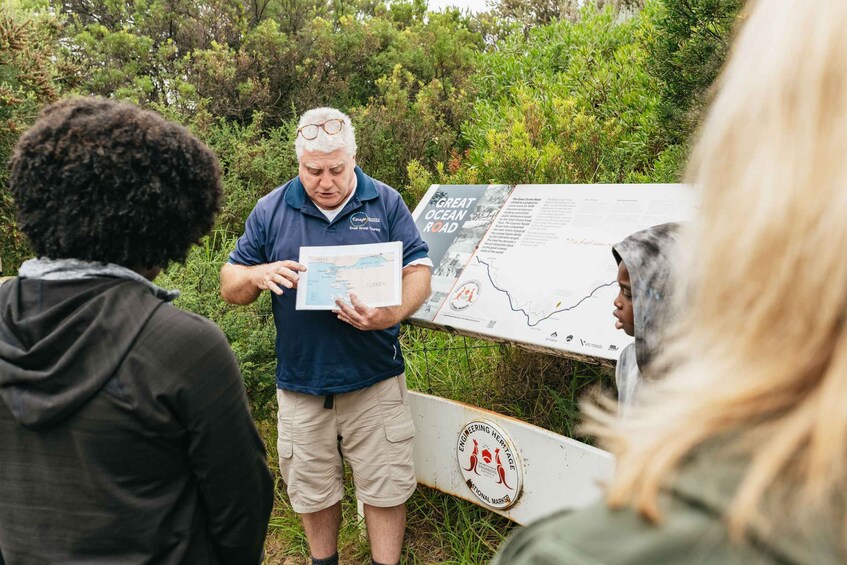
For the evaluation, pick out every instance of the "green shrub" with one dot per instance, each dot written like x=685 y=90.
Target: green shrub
x=570 y=103
x=31 y=76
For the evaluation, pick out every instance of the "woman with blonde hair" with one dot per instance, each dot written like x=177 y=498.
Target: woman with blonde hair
x=740 y=453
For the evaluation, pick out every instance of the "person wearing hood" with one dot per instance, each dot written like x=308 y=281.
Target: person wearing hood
x=643 y=305
x=125 y=434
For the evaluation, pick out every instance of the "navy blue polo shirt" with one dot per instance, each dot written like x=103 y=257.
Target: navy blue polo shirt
x=316 y=352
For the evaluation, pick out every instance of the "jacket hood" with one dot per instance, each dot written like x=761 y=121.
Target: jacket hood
x=647 y=255
x=61 y=341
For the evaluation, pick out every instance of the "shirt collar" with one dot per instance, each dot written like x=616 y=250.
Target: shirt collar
x=296 y=196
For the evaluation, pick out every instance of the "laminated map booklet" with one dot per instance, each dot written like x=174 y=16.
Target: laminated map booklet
x=373 y=272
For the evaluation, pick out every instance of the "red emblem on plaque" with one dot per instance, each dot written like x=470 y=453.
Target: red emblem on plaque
x=474 y=458
x=501 y=471
x=490 y=466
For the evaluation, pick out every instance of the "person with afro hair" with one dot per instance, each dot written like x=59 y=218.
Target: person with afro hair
x=125 y=435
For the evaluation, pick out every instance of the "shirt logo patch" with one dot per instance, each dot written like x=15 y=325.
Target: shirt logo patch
x=361 y=221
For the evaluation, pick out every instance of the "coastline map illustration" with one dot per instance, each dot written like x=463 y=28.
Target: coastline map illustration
x=372 y=272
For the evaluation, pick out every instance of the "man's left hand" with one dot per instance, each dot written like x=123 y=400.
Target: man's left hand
x=363 y=317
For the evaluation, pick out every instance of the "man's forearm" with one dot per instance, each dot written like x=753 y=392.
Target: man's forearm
x=237 y=285
x=416 y=289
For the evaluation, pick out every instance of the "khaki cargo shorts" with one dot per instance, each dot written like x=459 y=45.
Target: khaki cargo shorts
x=372 y=429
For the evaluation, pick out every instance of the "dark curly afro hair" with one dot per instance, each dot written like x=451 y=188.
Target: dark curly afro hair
x=100 y=180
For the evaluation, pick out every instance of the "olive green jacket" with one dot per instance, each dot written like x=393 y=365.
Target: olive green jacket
x=692 y=530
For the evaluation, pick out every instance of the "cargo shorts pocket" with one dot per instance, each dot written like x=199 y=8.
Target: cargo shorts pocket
x=285 y=447
x=396 y=413
x=285 y=424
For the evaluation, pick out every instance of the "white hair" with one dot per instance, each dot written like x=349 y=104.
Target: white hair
x=325 y=143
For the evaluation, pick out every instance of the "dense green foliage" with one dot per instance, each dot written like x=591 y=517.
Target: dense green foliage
x=686 y=57
x=570 y=103
x=534 y=91
x=531 y=92
x=30 y=77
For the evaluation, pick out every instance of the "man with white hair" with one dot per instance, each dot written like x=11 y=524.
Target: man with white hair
x=340 y=375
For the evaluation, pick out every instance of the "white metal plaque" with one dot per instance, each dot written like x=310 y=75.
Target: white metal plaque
x=559 y=473
x=489 y=464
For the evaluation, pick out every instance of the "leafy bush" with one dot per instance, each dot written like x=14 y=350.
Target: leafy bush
x=408 y=121
x=570 y=103
x=255 y=161
x=691 y=44
x=31 y=76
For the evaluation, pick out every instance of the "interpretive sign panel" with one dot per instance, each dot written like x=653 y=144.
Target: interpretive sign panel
x=540 y=271
x=372 y=272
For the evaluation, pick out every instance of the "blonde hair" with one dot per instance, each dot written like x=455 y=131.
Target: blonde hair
x=760 y=356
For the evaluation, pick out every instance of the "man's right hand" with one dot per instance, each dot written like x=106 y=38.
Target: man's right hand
x=241 y=284
x=274 y=276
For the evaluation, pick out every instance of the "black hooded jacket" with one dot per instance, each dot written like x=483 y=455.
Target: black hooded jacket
x=125 y=435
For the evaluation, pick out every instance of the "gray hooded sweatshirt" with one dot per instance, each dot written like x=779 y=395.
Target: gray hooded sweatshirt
x=647 y=256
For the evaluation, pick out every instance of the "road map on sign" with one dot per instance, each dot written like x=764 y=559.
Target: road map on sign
x=373 y=272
